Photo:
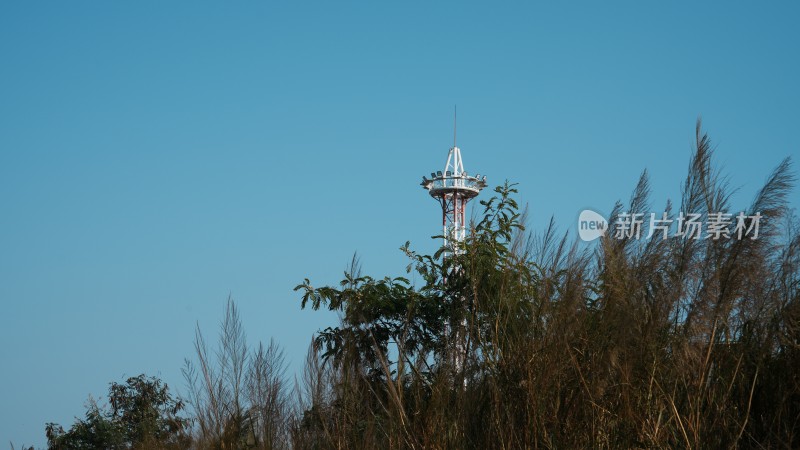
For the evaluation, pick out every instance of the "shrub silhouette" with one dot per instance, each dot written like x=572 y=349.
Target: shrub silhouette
x=142 y=415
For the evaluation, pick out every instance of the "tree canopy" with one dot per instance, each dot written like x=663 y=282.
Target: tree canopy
x=141 y=414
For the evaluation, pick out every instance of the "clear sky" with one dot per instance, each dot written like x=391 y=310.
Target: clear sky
x=156 y=157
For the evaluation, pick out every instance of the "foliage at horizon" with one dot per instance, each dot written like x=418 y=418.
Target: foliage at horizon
x=516 y=340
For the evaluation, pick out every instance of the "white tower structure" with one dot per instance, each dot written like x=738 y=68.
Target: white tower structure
x=453 y=188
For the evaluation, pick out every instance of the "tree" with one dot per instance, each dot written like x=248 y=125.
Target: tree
x=142 y=415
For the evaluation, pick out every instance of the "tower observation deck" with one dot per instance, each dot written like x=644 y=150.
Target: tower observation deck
x=453 y=187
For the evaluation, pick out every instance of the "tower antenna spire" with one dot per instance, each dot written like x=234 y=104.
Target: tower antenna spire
x=455 y=123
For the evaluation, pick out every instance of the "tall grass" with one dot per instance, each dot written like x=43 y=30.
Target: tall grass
x=239 y=398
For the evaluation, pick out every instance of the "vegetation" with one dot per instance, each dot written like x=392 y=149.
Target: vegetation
x=517 y=340
x=659 y=343
x=240 y=399
x=142 y=415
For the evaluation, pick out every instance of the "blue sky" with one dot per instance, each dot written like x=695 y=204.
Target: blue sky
x=156 y=157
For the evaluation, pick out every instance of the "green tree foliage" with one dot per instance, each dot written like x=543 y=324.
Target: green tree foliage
x=142 y=415
x=518 y=340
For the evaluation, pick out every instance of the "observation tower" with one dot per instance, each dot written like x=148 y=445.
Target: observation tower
x=453 y=188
